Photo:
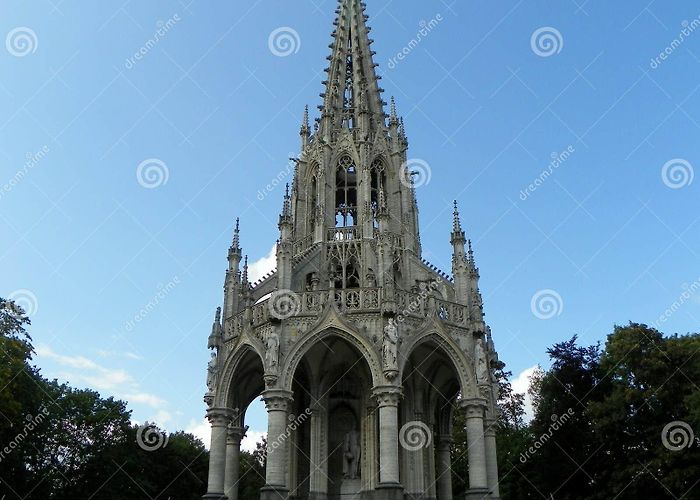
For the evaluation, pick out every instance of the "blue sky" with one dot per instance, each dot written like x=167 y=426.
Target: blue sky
x=610 y=235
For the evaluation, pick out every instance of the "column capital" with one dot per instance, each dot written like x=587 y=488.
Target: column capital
x=219 y=417
x=277 y=399
x=444 y=442
x=387 y=395
x=474 y=407
x=235 y=434
x=490 y=426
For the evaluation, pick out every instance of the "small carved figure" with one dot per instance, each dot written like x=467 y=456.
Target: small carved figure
x=216 y=332
x=390 y=348
x=482 y=363
x=212 y=373
x=272 y=350
x=351 y=455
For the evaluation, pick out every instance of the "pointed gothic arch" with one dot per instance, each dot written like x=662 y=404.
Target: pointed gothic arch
x=314 y=337
x=462 y=366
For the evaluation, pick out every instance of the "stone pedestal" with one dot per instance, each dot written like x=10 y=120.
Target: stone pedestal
x=350 y=489
x=388 y=491
x=478 y=494
x=274 y=493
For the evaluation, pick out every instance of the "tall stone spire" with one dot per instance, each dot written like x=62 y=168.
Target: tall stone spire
x=352 y=87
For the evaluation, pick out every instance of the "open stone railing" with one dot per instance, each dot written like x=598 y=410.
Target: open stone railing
x=356 y=301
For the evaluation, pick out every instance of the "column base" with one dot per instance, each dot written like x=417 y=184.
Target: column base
x=478 y=494
x=389 y=491
x=274 y=493
x=214 y=496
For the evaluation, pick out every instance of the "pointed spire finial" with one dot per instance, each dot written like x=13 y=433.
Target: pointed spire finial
x=393 y=117
x=245 y=270
x=457 y=224
x=305 y=130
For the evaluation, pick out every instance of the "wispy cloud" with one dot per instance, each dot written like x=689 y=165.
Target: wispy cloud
x=521 y=385
x=262 y=266
x=114 y=381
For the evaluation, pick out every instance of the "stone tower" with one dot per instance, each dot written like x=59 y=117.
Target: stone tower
x=362 y=351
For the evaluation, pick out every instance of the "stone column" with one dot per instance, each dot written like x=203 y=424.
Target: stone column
x=444 y=468
x=219 y=418
x=491 y=457
x=233 y=457
x=278 y=403
x=388 y=401
x=476 y=450
x=318 y=488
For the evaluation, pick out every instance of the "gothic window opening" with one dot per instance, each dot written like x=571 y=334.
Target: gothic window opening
x=348 y=97
x=346 y=193
x=345 y=275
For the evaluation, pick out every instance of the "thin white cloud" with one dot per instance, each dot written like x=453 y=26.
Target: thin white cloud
x=117 y=382
x=521 y=385
x=262 y=266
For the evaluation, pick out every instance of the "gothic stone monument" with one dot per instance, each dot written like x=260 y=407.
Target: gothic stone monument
x=362 y=351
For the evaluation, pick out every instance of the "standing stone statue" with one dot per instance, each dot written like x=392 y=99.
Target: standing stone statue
x=390 y=347
x=351 y=455
x=214 y=341
x=212 y=373
x=481 y=363
x=272 y=346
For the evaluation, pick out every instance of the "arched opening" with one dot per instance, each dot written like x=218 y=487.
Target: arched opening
x=334 y=453
x=431 y=387
x=245 y=387
x=346 y=193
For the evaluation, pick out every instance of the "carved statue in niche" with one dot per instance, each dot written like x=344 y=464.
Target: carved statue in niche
x=272 y=347
x=390 y=347
x=212 y=373
x=351 y=455
x=481 y=361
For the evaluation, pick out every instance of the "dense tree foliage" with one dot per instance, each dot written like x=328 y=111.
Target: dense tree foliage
x=609 y=422
x=599 y=419
x=63 y=443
